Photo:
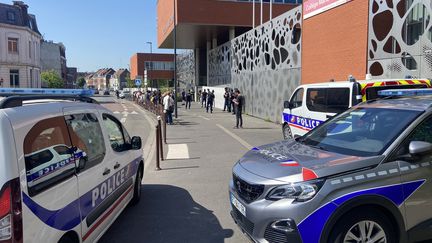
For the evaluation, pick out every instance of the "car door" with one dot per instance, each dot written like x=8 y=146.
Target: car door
x=296 y=113
x=416 y=175
x=93 y=172
x=49 y=186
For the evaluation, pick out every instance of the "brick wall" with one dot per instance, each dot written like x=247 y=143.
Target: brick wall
x=335 y=43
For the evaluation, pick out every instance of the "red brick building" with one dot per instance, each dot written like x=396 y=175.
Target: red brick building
x=159 y=67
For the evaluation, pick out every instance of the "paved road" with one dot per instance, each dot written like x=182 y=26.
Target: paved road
x=188 y=200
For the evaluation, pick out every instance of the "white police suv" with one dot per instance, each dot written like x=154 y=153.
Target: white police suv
x=68 y=166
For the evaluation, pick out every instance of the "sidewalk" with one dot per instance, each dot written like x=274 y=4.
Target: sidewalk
x=188 y=201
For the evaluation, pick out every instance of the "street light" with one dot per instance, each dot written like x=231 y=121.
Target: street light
x=175 y=61
x=151 y=63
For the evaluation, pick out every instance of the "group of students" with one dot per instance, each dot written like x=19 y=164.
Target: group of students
x=207 y=99
x=234 y=101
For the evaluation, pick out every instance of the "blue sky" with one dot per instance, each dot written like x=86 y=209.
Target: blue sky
x=97 y=33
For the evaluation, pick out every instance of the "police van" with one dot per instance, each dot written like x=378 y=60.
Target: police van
x=312 y=104
x=69 y=167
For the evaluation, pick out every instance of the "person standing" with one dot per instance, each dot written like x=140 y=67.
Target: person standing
x=227 y=103
x=239 y=103
x=168 y=103
x=204 y=99
x=232 y=97
x=210 y=101
x=188 y=100
x=183 y=94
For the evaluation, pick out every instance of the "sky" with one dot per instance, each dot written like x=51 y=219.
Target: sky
x=97 y=33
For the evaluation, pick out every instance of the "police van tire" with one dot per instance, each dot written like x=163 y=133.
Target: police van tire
x=373 y=217
x=137 y=187
x=286 y=131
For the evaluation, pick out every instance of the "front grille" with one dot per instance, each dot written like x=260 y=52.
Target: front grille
x=248 y=192
x=273 y=236
x=242 y=221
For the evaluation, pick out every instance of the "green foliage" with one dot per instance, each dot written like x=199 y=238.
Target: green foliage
x=130 y=83
x=81 y=82
x=52 y=79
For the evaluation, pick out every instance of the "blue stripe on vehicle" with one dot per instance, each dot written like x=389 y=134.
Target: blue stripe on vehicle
x=68 y=217
x=311 y=227
x=303 y=122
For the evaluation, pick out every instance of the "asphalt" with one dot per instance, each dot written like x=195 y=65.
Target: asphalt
x=188 y=201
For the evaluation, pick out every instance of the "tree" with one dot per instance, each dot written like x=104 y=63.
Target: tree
x=130 y=83
x=52 y=79
x=81 y=82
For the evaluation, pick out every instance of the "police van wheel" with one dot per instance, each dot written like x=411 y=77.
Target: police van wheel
x=368 y=225
x=137 y=188
x=286 y=131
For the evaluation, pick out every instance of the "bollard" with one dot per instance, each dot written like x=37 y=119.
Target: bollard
x=157 y=148
x=164 y=128
x=160 y=138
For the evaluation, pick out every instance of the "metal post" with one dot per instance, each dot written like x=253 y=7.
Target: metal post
x=164 y=128
x=271 y=9
x=157 y=148
x=261 y=12
x=151 y=63
x=175 y=61
x=160 y=138
x=253 y=13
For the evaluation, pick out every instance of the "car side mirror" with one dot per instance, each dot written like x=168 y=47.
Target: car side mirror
x=136 y=142
x=287 y=105
x=417 y=148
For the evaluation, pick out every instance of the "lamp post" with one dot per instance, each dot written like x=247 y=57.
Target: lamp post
x=175 y=61
x=151 y=63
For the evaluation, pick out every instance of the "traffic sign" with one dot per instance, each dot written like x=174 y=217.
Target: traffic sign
x=137 y=82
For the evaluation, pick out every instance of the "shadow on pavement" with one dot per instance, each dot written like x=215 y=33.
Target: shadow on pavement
x=166 y=214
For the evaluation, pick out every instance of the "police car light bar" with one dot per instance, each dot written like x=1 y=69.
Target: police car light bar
x=27 y=91
x=405 y=92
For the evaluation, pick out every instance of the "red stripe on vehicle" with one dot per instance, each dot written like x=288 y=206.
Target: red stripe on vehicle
x=300 y=127
x=109 y=212
x=308 y=174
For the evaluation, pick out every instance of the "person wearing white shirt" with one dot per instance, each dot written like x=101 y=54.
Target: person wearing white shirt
x=168 y=103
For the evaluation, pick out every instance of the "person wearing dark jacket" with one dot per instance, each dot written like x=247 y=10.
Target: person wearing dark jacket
x=227 y=99
x=210 y=101
x=204 y=99
x=188 y=100
x=239 y=103
x=232 y=97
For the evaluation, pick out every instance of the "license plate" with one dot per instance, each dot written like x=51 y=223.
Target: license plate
x=238 y=205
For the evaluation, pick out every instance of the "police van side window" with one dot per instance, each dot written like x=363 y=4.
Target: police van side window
x=115 y=133
x=45 y=165
x=297 y=99
x=332 y=100
x=87 y=139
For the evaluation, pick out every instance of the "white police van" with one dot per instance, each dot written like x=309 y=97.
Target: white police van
x=68 y=166
x=312 y=104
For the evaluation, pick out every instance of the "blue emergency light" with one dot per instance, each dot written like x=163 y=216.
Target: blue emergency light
x=405 y=92
x=27 y=91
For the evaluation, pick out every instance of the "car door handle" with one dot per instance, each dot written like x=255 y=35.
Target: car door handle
x=116 y=166
x=106 y=172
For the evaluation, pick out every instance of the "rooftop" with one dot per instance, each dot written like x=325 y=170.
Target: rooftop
x=17 y=14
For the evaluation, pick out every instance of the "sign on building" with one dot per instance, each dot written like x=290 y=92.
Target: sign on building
x=314 y=7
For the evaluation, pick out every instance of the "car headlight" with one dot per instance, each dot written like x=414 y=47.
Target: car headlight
x=300 y=192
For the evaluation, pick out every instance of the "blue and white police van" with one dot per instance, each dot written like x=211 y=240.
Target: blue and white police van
x=68 y=166
x=312 y=104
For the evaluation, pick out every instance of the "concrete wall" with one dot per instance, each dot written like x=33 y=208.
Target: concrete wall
x=51 y=58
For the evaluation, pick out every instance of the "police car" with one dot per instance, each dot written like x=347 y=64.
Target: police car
x=312 y=104
x=69 y=167
x=363 y=176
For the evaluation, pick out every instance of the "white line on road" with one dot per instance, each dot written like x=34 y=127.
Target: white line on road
x=205 y=118
x=123 y=120
x=134 y=113
x=178 y=151
x=116 y=112
x=239 y=139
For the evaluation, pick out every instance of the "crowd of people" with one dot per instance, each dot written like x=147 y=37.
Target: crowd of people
x=233 y=102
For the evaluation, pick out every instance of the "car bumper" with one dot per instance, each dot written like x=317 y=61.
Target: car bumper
x=258 y=219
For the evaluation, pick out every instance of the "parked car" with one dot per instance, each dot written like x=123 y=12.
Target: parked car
x=312 y=104
x=68 y=166
x=363 y=176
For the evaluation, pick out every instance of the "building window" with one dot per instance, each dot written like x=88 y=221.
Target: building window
x=10 y=16
x=14 y=78
x=13 y=45
x=31 y=77
x=30 y=49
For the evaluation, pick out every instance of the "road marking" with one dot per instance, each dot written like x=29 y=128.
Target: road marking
x=239 y=139
x=116 y=112
x=134 y=113
x=123 y=120
x=205 y=118
x=178 y=151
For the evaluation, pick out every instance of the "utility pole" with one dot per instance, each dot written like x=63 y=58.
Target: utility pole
x=271 y=9
x=151 y=64
x=175 y=61
x=261 y=10
x=253 y=13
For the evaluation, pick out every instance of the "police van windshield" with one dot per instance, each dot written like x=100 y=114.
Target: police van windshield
x=360 y=131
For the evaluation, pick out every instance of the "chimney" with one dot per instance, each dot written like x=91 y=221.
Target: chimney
x=24 y=11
